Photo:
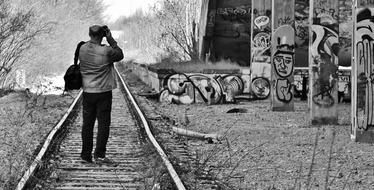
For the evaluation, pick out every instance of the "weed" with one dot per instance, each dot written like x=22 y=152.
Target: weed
x=25 y=120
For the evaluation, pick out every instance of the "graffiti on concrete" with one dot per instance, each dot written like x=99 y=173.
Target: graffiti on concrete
x=261 y=39
x=260 y=88
x=261 y=22
x=345 y=19
x=211 y=22
x=324 y=10
x=331 y=15
x=283 y=62
x=365 y=3
x=232 y=32
x=187 y=89
x=302 y=22
x=284 y=90
x=211 y=89
x=234 y=11
x=365 y=67
x=324 y=53
x=262 y=42
x=345 y=33
x=302 y=32
x=286 y=21
x=283 y=52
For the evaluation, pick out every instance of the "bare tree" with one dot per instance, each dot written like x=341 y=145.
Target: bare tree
x=177 y=19
x=60 y=25
x=16 y=36
x=168 y=29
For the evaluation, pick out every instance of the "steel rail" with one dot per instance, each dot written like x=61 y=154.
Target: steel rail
x=36 y=163
x=169 y=166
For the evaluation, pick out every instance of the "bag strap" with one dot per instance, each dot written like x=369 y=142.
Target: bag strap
x=76 y=55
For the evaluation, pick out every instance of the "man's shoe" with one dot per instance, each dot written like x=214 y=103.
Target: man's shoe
x=104 y=160
x=86 y=160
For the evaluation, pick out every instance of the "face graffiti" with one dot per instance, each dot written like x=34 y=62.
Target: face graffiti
x=283 y=63
x=283 y=54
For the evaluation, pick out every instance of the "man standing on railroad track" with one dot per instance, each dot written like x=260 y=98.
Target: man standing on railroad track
x=98 y=81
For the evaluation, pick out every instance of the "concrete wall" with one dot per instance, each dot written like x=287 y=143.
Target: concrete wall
x=210 y=86
x=219 y=86
x=225 y=31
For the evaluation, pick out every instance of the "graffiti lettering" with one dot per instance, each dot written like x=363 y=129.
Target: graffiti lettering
x=326 y=12
x=319 y=12
x=301 y=9
x=366 y=2
x=262 y=40
x=286 y=21
x=234 y=11
x=261 y=21
x=184 y=89
x=261 y=47
x=284 y=90
x=344 y=78
x=324 y=52
x=302 y=32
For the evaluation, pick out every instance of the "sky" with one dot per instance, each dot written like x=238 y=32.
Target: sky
x=117 y=8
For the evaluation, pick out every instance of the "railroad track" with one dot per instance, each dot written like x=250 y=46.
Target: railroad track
x=124 y=148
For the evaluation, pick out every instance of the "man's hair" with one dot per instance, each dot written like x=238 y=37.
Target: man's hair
x=96 y=31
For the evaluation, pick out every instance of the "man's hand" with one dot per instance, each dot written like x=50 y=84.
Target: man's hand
x=110 y=39
x=108 y=34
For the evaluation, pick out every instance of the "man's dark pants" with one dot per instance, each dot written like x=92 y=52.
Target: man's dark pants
x=96 y=106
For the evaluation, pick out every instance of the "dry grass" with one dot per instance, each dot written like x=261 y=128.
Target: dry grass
x=275 y=150
x=25 y=120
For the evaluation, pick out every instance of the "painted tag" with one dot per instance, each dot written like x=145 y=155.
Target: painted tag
x=261 y=21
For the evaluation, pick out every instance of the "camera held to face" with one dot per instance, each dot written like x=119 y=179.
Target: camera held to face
x=105 y=30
